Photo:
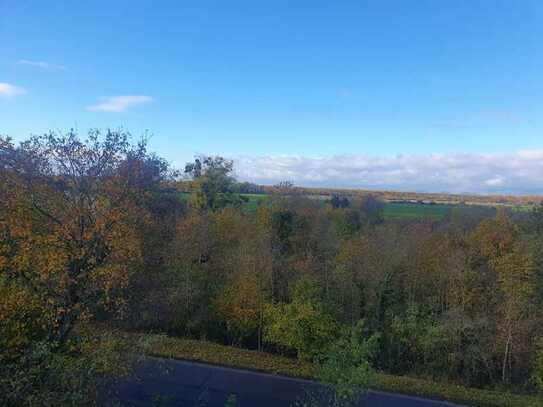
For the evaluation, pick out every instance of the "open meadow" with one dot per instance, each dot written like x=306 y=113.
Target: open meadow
x=391 y=210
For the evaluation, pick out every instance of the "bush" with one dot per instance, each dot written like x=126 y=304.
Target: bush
x=76 y=374
x=301 y=324
x=37 y=371
x=420 y=341
x=240 y=306
x=345 y=369
x=23 y=320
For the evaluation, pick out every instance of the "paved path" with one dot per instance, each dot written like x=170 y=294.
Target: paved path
x=166 y=382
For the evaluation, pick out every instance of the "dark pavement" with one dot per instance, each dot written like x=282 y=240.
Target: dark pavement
x=165 y=382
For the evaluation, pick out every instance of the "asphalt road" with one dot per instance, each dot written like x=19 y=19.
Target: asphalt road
x=165 y=382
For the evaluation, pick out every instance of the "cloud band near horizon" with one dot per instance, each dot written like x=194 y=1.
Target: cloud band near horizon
x=519 y=172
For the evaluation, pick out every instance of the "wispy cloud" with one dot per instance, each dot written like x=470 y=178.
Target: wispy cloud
x=119 y=103
x=517 y=172
x=8 y=90
x=42 y=65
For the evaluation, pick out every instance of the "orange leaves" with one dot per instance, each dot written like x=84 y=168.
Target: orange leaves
x=75 y=211
x=495 y=236
x=241 y=304
x=23 y=318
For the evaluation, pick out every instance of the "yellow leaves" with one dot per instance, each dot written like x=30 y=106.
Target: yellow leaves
x=228 y=224
x=241 y=305
x=4 y=259
x=124 y=245
x=110 y=281
x=495 y=236
x=23 y=318
x=42 y=257
x=498 y=242
x=349 y=249
x=263 y=216
x=299 y=325
x=192 y=238
x=516 y=275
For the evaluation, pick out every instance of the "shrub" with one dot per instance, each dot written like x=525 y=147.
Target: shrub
x=240 y=306
x=301 y=324
x=76 y=374
x=23 y=319
x=37 y=371
x=345 y=369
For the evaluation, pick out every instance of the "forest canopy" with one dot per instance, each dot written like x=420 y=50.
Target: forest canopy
x=96 y=232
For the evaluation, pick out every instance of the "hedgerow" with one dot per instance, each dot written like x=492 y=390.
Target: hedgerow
x=208 y=352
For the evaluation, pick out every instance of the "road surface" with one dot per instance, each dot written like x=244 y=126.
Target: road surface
x=167 y=382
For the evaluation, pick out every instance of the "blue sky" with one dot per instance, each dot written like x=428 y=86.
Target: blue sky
x=253 y=80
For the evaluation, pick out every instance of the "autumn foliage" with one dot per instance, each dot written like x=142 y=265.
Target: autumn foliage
x=95 y=232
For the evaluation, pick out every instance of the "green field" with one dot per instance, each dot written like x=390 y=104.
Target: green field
x=415 y=210
x=254 y=200
x=392 y=210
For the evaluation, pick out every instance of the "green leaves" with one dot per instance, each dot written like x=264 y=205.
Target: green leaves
x=77 y=373
x=214 y=187
x=301 y=325
x=345 y=366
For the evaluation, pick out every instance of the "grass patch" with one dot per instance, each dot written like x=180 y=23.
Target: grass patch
x=453 y=393
x=392 y=210
x=522 y=208
x=253 y=201
x=395 y=210
x=209 y=352
x=186 y=349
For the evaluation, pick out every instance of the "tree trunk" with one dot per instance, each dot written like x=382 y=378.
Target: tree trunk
x=66 y=323
x=506 y=356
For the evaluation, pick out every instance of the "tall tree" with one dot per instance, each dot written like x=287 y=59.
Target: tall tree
x=213 y=184
x=516 y=282
x=69 y=217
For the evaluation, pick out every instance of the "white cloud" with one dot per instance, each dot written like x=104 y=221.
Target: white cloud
x=42 y=65
x=494 y=182
x=8 y=90
x=518 y=172
x=119 y=103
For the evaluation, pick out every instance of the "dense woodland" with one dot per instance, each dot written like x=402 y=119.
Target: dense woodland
x=94 y=233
